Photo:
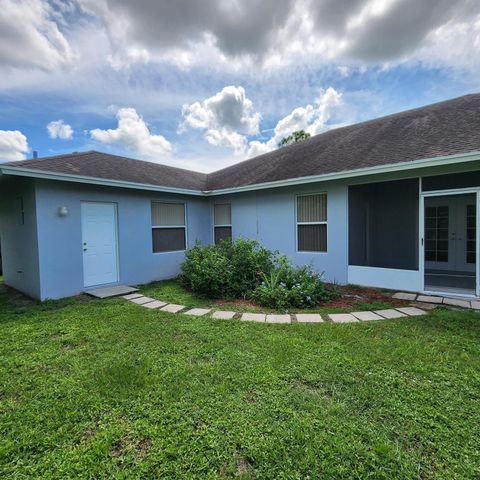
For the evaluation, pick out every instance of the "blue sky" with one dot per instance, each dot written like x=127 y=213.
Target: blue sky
x=202 y=85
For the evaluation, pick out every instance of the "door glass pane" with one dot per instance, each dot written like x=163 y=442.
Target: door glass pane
x=436 y=234
x=471 y=234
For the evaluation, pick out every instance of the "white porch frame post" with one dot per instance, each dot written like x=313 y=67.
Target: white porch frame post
x=421 y=237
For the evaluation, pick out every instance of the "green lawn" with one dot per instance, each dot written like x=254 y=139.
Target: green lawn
x=107 y=389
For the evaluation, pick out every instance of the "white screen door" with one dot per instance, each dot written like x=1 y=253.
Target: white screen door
x=99 y=243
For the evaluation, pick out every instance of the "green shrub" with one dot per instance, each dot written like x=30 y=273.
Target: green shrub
x=227 y=270
x=245 y=269
x=287 y=287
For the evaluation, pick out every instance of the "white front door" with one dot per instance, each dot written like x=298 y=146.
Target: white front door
x=99 y=243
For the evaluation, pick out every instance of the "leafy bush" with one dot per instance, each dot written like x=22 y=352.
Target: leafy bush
x=245 y=269
x=287 y=286
x=227 y=270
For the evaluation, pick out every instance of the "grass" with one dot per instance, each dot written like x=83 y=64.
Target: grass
x=171 y=291
x=107 y=389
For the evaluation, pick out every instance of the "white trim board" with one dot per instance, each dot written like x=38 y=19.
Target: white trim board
x=391 y=278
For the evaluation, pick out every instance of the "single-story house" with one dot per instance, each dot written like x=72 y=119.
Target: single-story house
x=390 y=202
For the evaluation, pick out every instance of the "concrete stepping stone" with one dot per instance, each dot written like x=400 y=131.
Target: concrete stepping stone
x=142 y=300
x=456 y=302
x=279 y=319
x=308 y=318
x=342 y=318
x=424 y=306
x=390 y=313
x=113 y=291
x=429 y=299
x=475 y=304
x=154 y=304
x=367 y=316
x=223 y=315
x=173 y=308
x=404 y=296
x=197 y=312
x=131 y=296
x=253 y=317
x=412 y=311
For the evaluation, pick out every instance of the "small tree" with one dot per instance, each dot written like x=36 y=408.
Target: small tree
x=295 y=137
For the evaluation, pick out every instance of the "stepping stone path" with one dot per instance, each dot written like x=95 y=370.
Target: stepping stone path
x=342 y=318
x=223 y=315
x=419 y=303
x=197 y=312
x=367 y=316
x=279 y=319
x=434 y=300
x=308 y=318
x=253 y=317
x=173 y=308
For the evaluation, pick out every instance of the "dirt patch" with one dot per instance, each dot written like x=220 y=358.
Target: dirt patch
x=313 y=389
x=240 y=302
x=351 y=296
x=131 y=444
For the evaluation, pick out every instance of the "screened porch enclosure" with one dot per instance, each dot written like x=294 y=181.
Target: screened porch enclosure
x=383 y=225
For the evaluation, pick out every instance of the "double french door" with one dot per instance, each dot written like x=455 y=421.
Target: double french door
x=450 y=233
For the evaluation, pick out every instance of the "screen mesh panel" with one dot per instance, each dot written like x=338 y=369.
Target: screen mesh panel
x=312 y=208
x=168 y=214
x=223 y=214
x=312 y=238
x=223 y=233
x=168 y=239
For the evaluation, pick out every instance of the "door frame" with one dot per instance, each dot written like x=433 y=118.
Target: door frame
x=421 y=230
x=117 y=251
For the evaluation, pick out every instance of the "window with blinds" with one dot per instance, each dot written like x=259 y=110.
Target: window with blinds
x=312 y=223
x=168 y=227
x=222 y=221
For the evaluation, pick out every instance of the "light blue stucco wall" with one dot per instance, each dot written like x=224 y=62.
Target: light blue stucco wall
x=269 y=217
x=59 y=238
x=20 y=257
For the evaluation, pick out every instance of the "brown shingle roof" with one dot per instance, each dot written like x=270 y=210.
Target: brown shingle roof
x=442 y=129
x=113 y=167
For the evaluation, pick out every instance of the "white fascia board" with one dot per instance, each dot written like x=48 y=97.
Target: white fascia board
x=65 y=177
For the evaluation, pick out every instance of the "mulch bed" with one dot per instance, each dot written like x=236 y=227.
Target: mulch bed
x=350 y=296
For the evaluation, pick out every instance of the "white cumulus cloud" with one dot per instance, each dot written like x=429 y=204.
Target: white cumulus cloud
x=13 y=145
x=226 y=118
x=60 y=129
x=311 y=118
x=134 y=134
x=30 y=36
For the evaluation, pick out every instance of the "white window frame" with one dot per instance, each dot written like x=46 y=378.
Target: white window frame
x=297 y=223
x=215 y=225
x=170 y=226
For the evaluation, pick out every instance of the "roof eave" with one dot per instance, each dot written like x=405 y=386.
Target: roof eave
x=377 y=170
x=34 y=173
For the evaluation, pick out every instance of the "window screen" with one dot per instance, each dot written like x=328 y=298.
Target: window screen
x=168 y=227
x=222 y=222
x=312 y=223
